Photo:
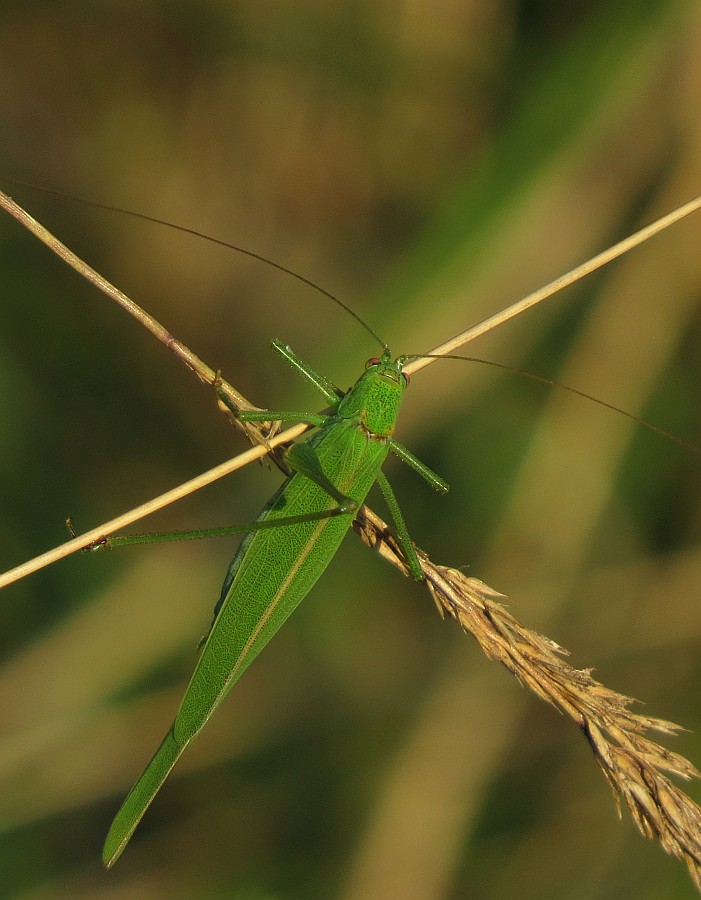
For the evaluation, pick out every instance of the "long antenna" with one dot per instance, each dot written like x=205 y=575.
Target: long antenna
x=560 y=385
x=220 y=242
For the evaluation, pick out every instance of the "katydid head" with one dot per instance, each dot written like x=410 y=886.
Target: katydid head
x=376 y=395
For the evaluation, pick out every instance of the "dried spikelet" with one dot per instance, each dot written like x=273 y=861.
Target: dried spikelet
x=630 y=761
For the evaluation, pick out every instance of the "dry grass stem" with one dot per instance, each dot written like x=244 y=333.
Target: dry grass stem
x=630 y=761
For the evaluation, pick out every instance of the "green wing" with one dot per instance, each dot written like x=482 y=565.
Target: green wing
x=272 y=572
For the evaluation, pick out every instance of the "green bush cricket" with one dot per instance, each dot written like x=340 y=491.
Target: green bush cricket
x=286 y=550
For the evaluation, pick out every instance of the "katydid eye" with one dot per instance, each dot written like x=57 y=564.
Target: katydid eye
x=374 y=361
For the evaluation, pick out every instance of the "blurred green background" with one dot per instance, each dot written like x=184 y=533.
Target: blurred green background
x=429 y=163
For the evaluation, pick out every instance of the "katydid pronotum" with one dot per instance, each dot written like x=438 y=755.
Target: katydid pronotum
x=300 y=530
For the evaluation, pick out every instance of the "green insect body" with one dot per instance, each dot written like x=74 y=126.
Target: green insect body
x=287 y=549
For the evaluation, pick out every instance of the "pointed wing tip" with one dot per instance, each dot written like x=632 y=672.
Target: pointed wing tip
x=139 y=798
x=115 y=844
